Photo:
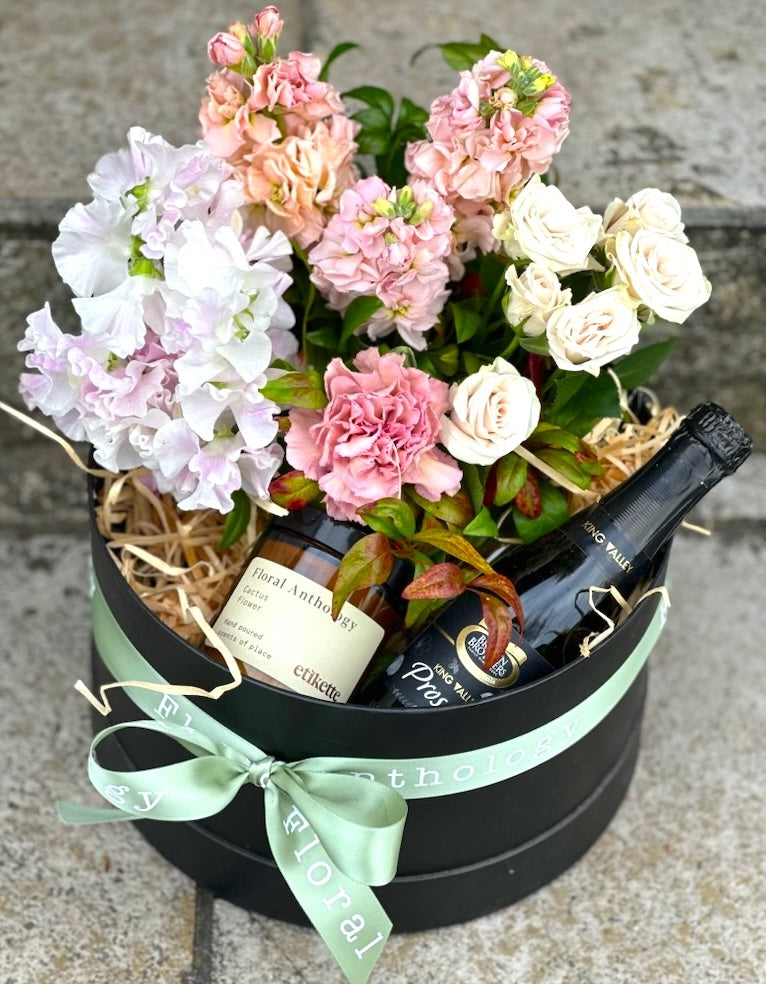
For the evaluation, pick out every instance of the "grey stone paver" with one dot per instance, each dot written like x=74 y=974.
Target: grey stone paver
x=663 y=91
x=88 y=905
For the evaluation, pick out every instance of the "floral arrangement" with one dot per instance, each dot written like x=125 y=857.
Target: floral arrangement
x=386 y=311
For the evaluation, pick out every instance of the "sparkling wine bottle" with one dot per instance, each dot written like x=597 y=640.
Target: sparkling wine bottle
x=611 y=543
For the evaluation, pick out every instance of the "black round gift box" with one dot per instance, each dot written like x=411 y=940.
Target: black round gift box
x=463 y=855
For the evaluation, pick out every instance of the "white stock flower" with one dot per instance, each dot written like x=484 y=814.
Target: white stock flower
x=93 y=247
x=588 y=335
x=661 y=273
x=650 y=208
x=490 y=413
x=535 y=294
x=541 y=225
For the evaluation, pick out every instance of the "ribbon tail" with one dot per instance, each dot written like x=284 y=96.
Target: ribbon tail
x=345 y=913
x=74 y=813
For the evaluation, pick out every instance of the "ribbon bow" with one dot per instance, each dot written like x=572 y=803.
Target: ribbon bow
x=321 y=825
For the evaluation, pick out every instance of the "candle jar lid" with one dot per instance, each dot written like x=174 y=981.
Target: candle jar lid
x=339 y=536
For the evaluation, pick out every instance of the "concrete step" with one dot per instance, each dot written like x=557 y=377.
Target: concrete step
x=664 y=94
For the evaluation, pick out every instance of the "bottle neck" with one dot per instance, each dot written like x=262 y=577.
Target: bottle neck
x=650 y=505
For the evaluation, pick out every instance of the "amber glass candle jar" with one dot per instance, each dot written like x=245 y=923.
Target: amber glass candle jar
x=276 y=620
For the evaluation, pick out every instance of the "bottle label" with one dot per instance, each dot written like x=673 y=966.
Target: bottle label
x=279 y=622
x=445 y=664
x=600 y=537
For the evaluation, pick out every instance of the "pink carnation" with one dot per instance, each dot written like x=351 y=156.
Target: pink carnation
x=390 y=244
x=377 y=433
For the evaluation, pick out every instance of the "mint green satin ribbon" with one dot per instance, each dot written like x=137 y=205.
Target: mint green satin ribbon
x=334 y=824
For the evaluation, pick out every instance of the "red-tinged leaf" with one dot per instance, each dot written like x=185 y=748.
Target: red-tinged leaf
x=293 y=490
x=453 y=509
x=439 y=581
x=527 y=500
x=456 y=546
x=499 y=624
x=504 y=588
x=368 y=562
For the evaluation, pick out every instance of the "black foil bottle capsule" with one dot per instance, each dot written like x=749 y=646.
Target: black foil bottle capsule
x=613 y=542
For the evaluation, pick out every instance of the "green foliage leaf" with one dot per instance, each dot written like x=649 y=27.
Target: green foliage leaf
x=594 y=398
x=358 y=313
x=367 y=562
x=237 y=519
x=337 y=51
x=446 y=359
x=639 y=367
x=561 y=387
x=510 y=476
x=297 y=389
x=473 y=482
x=373 y=95
x=482 y=525
x=567 y=464
x=553 y=513
x=552 y=436
x=394 y=517
x=466 y=318
x=538 y=344
x=419 y=611
x=325 y=338
x=461 y=56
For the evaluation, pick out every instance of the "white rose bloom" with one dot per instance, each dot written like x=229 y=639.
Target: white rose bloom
x=588 y=335
x=661 y=273
x=649 y=209
x=541 y=225
x=535 y=294
x=491 y=413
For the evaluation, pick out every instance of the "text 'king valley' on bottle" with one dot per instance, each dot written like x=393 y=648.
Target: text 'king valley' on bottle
x=612 y=543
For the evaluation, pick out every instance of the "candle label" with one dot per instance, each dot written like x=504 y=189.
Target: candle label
x=279 y=622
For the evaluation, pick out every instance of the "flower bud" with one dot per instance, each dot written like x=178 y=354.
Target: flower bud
x=268 y=24
x=225 y=50
x=266 y=29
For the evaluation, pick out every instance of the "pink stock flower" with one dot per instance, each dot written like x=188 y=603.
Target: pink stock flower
x=391 y=244
x=377 y=433
x=489 y=136
x=292 y=84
